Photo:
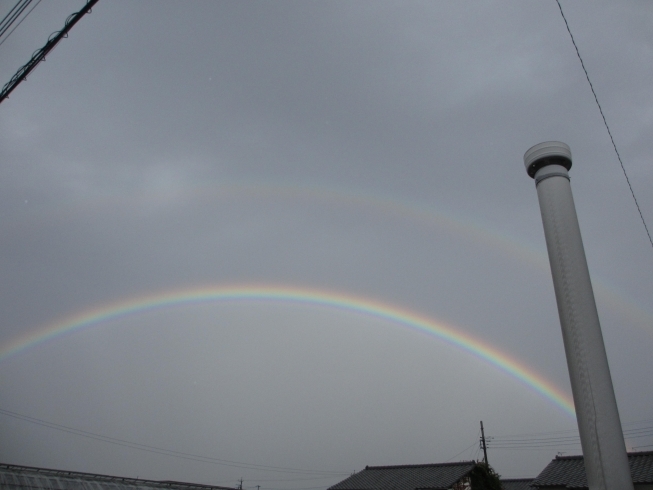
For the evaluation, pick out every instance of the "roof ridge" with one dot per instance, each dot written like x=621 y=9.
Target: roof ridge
x=640 y=453
x=85 y=475
x=630 y=453
x=425 y=465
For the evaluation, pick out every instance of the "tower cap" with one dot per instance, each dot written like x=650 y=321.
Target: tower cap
x=547 y=153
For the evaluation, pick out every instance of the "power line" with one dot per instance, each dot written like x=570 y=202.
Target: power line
x=518 y=437
x=528 y=442
x=21 y=21
x=636 y=422
x=9 y=13
x=572 y=431
x=501 y=440
x=533 y=446
x=13 y=14
x=606 y=123
x=225 y=482
x=527 y=434
x=296 y=479
x=304 y=488
x=165 y=452
x=467 y=448
x=648 y=431
x=529 y=448
x=40 y=54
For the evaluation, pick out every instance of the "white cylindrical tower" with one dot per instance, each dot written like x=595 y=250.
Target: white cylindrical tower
x=601 y=436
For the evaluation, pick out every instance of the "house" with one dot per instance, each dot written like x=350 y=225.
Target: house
x=443 y=476
x=516 y=483
x=569 y=472
x=25 y=477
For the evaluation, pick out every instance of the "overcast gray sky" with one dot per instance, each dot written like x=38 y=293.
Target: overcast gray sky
x=361 y=149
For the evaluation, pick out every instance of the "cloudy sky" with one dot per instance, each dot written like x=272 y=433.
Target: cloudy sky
x=369 y=153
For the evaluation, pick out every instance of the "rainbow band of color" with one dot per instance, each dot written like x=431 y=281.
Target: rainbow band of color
x=305 y=296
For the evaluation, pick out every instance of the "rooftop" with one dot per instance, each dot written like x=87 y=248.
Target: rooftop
x=15 y=476
x=407 y=477
x=569 y=471
x=516 y=483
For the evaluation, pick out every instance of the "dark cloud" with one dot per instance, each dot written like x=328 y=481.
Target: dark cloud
x=367 y=148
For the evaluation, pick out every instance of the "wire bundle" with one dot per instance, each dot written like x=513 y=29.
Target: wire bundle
x=13 y=15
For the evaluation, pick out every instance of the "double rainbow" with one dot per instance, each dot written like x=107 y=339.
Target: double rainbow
x=311 y=297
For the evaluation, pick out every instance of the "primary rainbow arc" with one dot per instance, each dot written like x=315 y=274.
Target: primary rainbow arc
x=396 y=315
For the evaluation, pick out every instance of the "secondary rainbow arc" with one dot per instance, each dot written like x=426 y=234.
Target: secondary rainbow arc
x=639 y=314
x=315 y=297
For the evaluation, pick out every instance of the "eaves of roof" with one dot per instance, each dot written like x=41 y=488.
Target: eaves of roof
x=16 y=476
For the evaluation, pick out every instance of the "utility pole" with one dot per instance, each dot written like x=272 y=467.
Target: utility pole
x=484 y=446
x=240 y=484
x=601 y=436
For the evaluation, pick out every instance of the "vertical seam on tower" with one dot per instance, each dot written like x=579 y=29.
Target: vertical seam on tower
x=577 y=346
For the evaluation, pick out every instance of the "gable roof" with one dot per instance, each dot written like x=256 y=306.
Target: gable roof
x=407 y=477
x=27 y=477
x=569 y=471
x=516 y=483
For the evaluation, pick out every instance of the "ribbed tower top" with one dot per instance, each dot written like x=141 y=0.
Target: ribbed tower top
x=547 y=153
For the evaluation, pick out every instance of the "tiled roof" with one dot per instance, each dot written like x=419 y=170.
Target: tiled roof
x=516 y=483
x=25 y=477
x=641 y=466
x=569 y=471
x=407 y=477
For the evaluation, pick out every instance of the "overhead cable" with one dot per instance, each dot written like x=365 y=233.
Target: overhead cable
x=40 y=54
x=10 y=12
x=527 y=441
x=13 y=14
x=304 y=488
x=165 y=452
x=606 y=124
x=467 y=448
x=21 y=21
